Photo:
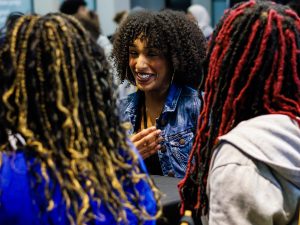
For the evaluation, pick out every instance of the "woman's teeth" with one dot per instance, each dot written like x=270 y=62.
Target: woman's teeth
x=144 y=75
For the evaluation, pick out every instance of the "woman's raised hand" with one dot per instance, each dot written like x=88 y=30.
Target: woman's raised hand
x=147 y=141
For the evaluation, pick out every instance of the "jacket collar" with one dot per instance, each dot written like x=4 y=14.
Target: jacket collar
x=170 y=103
x=133 y=102
x=172 y=98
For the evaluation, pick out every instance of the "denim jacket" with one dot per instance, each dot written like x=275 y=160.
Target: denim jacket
x=177 y=122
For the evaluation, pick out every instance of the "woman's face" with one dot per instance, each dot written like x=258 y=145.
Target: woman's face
x=149 y=67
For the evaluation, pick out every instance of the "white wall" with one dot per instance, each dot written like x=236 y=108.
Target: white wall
x=149 y=4
x=105 y=8
x=46 y=6
x=206 y=3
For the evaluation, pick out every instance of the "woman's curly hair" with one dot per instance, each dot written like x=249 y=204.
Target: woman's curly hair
x=57 y=93
x=180 y=40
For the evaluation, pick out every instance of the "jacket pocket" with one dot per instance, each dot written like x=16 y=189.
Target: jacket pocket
x=181 y=144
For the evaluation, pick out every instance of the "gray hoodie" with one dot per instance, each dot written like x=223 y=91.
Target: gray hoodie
x=255 y=174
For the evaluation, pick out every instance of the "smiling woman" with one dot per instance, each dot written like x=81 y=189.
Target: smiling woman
x=162 y=54
x=149 y=67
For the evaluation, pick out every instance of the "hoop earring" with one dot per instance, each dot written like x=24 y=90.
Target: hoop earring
x=172 y=77
x=127 y=78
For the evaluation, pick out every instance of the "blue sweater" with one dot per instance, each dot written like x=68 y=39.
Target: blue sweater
x=19 y=207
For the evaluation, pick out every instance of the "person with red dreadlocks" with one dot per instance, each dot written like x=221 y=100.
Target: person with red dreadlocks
x=244 y=167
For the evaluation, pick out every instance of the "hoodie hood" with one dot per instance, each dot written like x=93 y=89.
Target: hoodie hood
x=272 y=139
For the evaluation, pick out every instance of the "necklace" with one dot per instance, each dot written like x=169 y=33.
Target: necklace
x=145 y=116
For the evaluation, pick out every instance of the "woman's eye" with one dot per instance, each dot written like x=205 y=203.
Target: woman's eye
x=153 y=54
x=133 y=53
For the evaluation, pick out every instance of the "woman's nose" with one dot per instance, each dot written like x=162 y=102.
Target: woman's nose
x=141 y=62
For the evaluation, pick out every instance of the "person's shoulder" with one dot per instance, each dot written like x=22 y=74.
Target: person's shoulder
x=189 y=91
x=189 y=97
x=226 y=153
x=13 y=162
x=263 y=129
x=273 y=140
x=125 y=101
x=13 y=167
x=15 y=185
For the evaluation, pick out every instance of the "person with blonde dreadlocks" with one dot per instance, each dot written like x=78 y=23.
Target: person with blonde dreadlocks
x=244 y=167
x=64 y=156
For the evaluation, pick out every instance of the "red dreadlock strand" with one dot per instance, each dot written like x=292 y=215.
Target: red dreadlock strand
x=282 y=52
x=281 y=100
x=231 y=17
x=257 y=64
x=238 y=69
x=223 y=40
x=295 y=16
x=296 y=79
x=266 y=96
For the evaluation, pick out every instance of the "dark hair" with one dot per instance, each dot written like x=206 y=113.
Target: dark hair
x=180 y=40
x=253 y=69
x=71 y=6
x=119 y=16
x=12 y=18
x=295 y=5
x=10 y=21
x=56 y=91
x=91 y=24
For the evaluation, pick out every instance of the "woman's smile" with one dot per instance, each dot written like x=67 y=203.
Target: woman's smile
x=149 y=67
x=145 y=78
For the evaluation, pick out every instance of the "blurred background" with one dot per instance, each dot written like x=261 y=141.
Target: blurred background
x=106 y=9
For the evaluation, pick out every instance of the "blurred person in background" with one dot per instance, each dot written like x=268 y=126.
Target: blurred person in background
x=199 y=14
x=118 y=19
x=89 y=19
x=90 y=22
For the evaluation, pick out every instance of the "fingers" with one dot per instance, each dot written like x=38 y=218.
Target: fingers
x=147 y=141
x=142 y=134
x=149 y=150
